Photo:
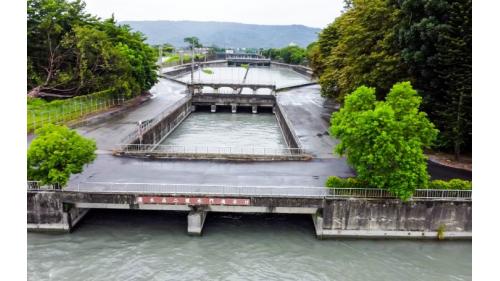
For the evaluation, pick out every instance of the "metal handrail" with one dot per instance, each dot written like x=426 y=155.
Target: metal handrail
x=225 y=150
x=242 y=190
x=155 y=120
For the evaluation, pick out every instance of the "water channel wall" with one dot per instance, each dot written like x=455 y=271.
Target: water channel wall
x=304 y=70
x=288 y=133
x=166 y=125
x=332 y=217
x=184 y=68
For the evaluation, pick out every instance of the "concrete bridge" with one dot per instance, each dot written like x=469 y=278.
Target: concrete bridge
x=372 y=213
x=197 y=87
x=250 y=59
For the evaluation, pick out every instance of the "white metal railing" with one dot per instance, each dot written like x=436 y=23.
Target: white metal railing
x=239 y=190
x=223 y=150
x=37 y=185
x=148 y=124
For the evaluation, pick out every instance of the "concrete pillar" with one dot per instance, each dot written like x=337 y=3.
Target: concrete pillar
x=213 y=108
x=328 y=213
x=233 y=108
x=235 y=90
x=254 y=91
x=196 y=219
x=274 y=109
x=216 y=90
x=193 y=108
x=254 y=109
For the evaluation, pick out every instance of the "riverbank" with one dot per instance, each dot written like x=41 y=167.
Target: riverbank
x=448 y=160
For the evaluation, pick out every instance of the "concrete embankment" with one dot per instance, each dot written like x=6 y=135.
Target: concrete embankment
x=332 y=217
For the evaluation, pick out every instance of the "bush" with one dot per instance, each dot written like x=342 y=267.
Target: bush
x=56 y=153
x=336 y=182
x=455 y=184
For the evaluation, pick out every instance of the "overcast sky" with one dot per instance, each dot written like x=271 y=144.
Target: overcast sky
x=314 y=13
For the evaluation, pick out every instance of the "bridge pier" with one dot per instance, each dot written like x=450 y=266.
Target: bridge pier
x=196 y=219
x=234 y=107
x=235 y=90
x=213 y=108
x=254 y=91
x=254 y=109
x=216 y=90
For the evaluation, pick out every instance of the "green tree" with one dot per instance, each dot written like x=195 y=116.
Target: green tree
x=56 y=153
x=384 y=140
x=360 y=48
x=193 y=42
x=436 y=41
x=71 y=53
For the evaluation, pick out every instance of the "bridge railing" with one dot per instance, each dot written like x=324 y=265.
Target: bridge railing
x=222 y=150
x=240 y=190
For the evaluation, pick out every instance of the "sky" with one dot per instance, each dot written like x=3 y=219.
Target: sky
x=313 y=13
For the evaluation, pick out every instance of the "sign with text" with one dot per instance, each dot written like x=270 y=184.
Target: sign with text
x=193 y=201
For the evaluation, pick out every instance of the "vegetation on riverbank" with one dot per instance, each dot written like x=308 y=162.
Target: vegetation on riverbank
x=454 y=184
x=72 y=53
x=292 y=54
x=56 y=153
x=384 y=140
x=381 y=42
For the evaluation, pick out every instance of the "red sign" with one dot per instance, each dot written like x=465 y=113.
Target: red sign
x=193 y=201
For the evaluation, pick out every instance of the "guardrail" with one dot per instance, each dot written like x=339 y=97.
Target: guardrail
x=237 y=190
x=223 y=150
x=37 y=185
x=148 y=124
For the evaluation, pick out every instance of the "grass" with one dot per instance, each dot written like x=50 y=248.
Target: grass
x=41 y=112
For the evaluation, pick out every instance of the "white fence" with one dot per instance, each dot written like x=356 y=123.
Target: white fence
x=236 y=190
x=222 y=150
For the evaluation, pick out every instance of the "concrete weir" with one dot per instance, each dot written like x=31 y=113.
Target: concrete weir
x=332 y=217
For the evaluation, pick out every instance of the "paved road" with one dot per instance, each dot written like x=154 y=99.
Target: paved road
x=309 y=114
x=110 y=132
x=107 y=168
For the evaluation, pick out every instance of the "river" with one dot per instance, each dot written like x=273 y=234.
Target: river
x=142 y=245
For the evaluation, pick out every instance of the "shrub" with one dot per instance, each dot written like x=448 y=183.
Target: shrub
x=455 y=184
x=336 y=182
x=56 y=153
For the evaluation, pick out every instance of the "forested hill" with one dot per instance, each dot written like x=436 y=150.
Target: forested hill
x=225 y=34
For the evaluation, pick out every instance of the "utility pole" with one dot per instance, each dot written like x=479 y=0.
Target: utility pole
x=192 y=60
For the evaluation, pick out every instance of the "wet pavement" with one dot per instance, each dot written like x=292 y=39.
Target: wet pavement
x=112 y=131
x=309 y=114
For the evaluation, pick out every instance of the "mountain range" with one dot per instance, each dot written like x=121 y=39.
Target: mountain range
x=225 y=34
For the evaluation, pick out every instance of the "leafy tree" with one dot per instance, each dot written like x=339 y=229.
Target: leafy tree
x=291 y=54
x=384 y=140
x=193 y=42
x=436 y=42
x=360 y=48
x=72 y=53
x=56 y=153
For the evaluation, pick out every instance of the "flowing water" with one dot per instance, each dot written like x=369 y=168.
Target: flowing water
x=281 y=77
x=227 y=130
x=142 y=245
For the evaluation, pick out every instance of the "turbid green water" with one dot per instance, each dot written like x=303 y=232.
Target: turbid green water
x=141 y=245
x=225 y=129
x=281 y=77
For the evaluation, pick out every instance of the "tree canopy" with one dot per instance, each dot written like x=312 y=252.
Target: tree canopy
x=384 y=140
x=56 y=153
x=291 y=54
x=73 y=53
x=193 y=42
x=381 y=42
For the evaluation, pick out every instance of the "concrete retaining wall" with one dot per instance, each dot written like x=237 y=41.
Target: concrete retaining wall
x=162 y=129
x=304 y=70
x=46 y=211
x=288 y=133
x=185 y=68
x=377 y=218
